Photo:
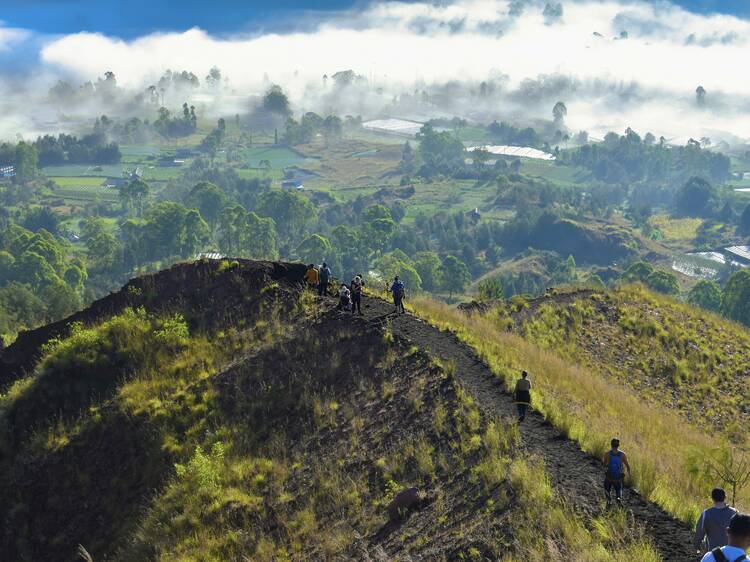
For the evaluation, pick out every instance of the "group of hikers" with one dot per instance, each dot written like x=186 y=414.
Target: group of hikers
x=350 y=296
x=722 y=534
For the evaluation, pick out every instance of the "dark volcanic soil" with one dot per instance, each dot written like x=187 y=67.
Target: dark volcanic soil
x=575 y=474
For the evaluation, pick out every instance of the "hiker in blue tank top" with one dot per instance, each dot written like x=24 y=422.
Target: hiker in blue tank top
x=616 y=461
x=738 y=534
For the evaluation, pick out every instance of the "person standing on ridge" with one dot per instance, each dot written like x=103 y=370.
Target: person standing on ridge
x=399 y=290
x=738 y=535
x=311 y=276
x=522 y=395
x=711 y=528
x=614 y=460
x=357 y=285
x=324 y=276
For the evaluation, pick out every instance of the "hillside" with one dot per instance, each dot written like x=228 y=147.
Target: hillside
x=672 y=354
x=241 y=418
x=668 y=379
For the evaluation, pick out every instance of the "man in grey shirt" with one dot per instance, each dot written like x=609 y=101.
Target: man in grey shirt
x=711 y=529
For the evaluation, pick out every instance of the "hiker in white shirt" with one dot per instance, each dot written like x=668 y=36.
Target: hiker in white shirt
x=738 y=534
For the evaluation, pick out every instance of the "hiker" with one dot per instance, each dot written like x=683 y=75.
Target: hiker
x=738 y=535
x=614 y=461
x=324 y=276
x=711 y=528
x=311 y=276
x=522 y=395
x=358 y=283
x=398 y=289
x=345 y=302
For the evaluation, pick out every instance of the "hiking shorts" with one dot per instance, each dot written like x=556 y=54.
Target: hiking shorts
x=616 y=484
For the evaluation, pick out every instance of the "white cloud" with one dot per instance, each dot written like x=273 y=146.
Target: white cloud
x=668 y=52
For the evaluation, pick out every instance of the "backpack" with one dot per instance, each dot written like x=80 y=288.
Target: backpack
x=719 y=556
x=400 y=289
x=614 y=468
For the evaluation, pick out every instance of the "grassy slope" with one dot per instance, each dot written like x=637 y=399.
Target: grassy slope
x=585 y=387
x=285 y=449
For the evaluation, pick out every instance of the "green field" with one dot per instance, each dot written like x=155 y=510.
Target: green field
x=77 y=181
x=71 y=170
x=561 y=175
x=280 y=157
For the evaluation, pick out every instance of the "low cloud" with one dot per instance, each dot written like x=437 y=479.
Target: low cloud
x=615 y=63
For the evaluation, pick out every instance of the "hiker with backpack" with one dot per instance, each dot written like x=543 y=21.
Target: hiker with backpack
x=358 y=283
x=345 y=302
x=711 y=528
x=522 y=395
x=311 y=276
x=738 y=536
x=324 y=276
x=399 y=291
x=615 y=460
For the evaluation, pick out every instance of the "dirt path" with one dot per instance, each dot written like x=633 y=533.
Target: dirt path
x=576 y=475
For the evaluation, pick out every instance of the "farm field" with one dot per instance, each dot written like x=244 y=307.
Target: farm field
x=676 y=229
x=79 y=170
x=561 y=175
x=77 y=181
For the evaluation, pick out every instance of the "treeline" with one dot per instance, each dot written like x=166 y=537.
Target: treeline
x=49 y=150
x=630 y=159
x=38 y=281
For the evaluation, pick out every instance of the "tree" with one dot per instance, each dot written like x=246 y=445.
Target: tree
x=428 y=265
x=638 y=272
x=276 y=102
x=663 y=282
x=559 y=112
x=490 y=289
x=208 y=199
x=745 y=220
x=706 y=294
x=696 y=198
x=40 y=218
x=700 y=96
x=291 y=212
x=197 y=233
x=735 y=302
x=133 y=195
x=455 y=275
x=315 y=249
x=26 y=160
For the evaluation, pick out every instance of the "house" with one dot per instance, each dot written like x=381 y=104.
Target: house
x=292 y=184
x=7 y=172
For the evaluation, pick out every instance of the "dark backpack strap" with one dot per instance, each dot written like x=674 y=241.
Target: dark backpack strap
x=741 y=558
x=719 y=555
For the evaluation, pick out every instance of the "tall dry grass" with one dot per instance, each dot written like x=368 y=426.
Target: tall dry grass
x=667 y=454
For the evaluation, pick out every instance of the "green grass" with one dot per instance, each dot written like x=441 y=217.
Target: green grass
x=77 y=181
x=676 y=229
x=668 y=452
x=79 y=170
x=280 y=157
x=562 y=175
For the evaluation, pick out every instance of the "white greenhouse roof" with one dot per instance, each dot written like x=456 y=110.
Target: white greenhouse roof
x=740 y=251
x=395 y=126
x=518 y=151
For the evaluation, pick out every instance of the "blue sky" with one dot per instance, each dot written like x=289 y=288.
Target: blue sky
x=132 y=18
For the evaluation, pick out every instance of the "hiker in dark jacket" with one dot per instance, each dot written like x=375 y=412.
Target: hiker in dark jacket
x=711 y=528
x=324 y=276
x=357 y=284
x=522 y=395
x=615 y=460
x=399 y=290
x=738 y=537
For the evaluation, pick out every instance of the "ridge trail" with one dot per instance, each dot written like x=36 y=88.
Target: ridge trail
x=574 y=474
